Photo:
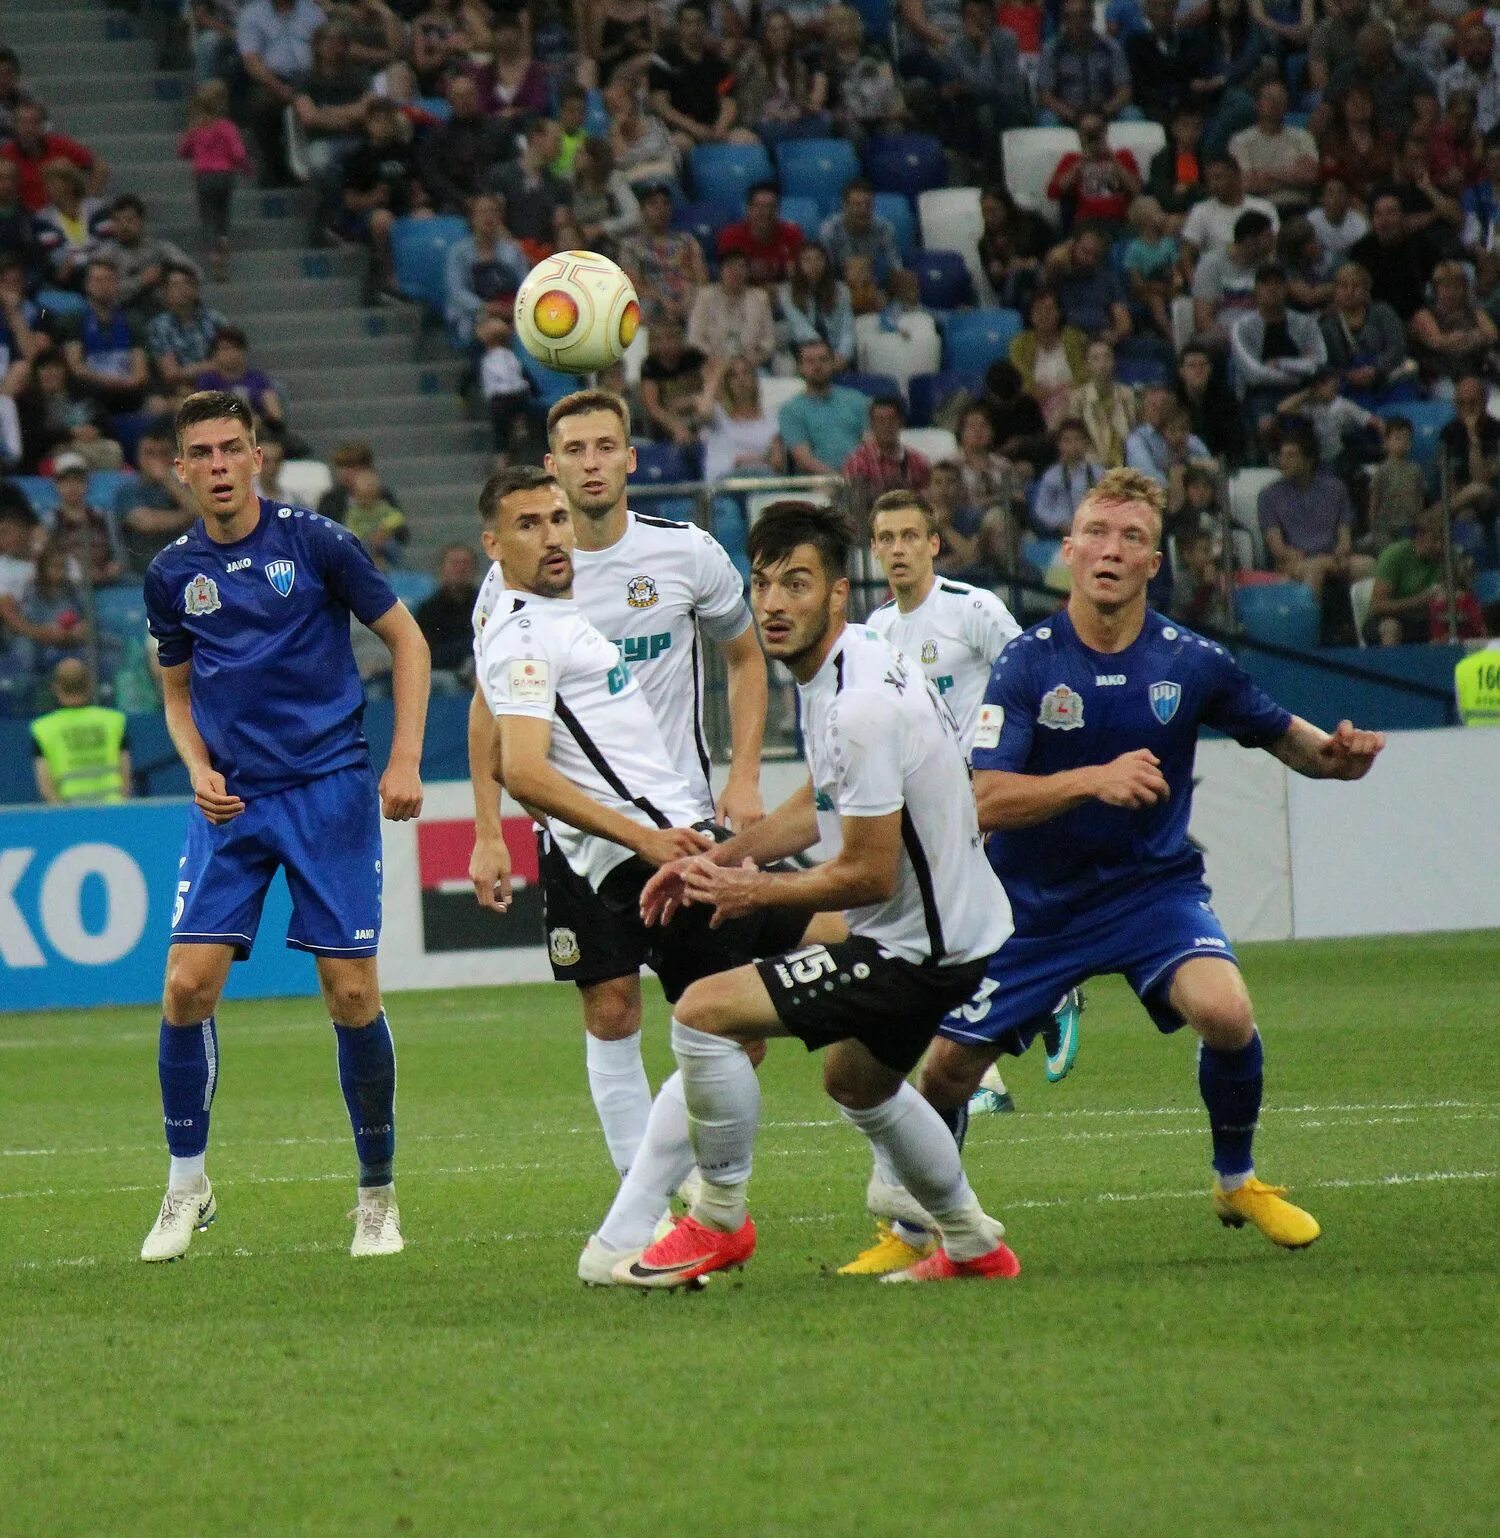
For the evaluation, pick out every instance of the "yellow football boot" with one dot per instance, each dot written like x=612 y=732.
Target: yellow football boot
x=1256 y=1202
x=890 y=1252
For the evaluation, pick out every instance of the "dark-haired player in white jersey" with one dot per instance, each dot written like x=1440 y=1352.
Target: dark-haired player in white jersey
x=888 y=793
x=577 y=743
x=656 y=587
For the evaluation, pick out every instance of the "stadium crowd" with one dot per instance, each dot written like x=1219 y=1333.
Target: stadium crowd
x=1250 y=247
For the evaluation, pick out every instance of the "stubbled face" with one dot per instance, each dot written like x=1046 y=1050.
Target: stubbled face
x=217 y=461
x=531 y=536
x=591 y=456
x=795 y=604
x=904 y=549
x=885 y=428
x=1112 y=552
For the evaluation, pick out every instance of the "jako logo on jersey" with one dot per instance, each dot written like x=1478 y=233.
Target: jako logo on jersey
x=562 y=947
x=640 y=592
x=201 y=595
x=1165 y=698
x=281 y=575
x=645 y=648
x=364 y=934
x=239 y=565
x=929 y=653
x=1108 y=680
x=1061 y=709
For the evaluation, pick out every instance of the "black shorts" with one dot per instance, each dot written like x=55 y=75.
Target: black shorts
x=688 y=948
x=586 y=943
x=857 y=989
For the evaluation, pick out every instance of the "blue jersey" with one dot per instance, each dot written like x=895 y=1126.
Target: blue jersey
x=264 y=621
x=1053 y=704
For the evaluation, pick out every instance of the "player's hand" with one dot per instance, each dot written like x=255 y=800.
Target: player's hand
x=660 y=846
x=665 y=895
x=1133 y=781
x=1348 y=752
x=733 y=891
x=740 y=806
x=400 y=792
x=213 y=799
x=489 y=870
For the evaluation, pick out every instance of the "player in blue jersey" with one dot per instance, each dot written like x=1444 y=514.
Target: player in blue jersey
x=1083 y=770
x=251 y=610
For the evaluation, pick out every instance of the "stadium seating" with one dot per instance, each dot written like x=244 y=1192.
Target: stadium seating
x=819 y=169
x=1245 y=487
x=1487 y=587
x=1359 y=605
x=1428 y=419
x=909 y=163
x=120 y=611
x=419 y=248
x=934 y=443
x=1031 y=156
x=703 y=221
x=1279 y=613
x=723 y=174
x=776 y=390
x=805 y=213
x=974 y=339
x=412 y=587
x=914 y=349
x=895 y=209
x=660 y=464
x=873 y=385
x=944 y=280
x=926 y=393
x=41 y=492
x=305 y=481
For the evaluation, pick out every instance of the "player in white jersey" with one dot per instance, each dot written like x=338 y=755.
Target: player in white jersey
x=655 y=587
x=889 y=794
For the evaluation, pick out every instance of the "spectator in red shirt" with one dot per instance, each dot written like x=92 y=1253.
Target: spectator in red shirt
x=882 y=462
x=33 y=147
x=1095 y=184
x=769 y=242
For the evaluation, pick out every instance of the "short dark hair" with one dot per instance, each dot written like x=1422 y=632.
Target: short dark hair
x=1073 y=425
x=231 y=334
x=212 y=406
x=1300 y=435
x=1270 y=272
x=755 y=187
x=861 y=183
x=1224 y=158
x=128 y=200
x=893 y=403
x=693 y=5
x=580 y=401
x=899 y=501
x=100 y=261
x=178 y=270
x=1250 y=224
x=10 y=56
x=1396 y=423
x=784 y=525
x=506 y=483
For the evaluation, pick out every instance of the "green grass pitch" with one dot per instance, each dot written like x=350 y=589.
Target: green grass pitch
x=1150 y=1372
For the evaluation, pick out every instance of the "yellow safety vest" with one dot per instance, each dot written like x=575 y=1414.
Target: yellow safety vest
x=1476 y=681
x=82 y=746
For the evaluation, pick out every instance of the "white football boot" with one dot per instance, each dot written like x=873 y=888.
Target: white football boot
x=377 y=1224
x=181 y=1213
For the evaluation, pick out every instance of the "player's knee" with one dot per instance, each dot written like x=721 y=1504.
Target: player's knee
x=191 y=991
x=703 y=1007
x=612 y=1010
x=353 y=1002
x=1226 y=1024
x=946 y=1081
x=856 y=1088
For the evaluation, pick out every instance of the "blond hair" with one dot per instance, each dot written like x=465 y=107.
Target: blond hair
x=1116 y=487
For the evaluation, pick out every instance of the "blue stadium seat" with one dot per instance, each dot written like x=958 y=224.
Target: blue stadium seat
x=895 y=208
x=1487 y=587
x=681 y=509
x=104 y=485
x=805 y=213
x=40 y=492
x=420 y=249
x=61 y=303
x=1040 y=554
x=927 y=392
x=817 y=168
x=724 y=173
x=873 y=385
x=909 y=163
x=1428 y=419
x=974 y=339
x=434 y=106
x=944 y=280
x=1142 y=371
x=660 y=464
x=703 y=220
x=120 y=611
x=412 y=587
x=548 y=384
x=877 y=16
x=1282 y=613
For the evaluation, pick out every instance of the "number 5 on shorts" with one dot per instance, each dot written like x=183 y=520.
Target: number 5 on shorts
x=182 y=891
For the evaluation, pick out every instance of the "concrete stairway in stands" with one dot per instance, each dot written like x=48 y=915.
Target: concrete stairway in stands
x=350 y=370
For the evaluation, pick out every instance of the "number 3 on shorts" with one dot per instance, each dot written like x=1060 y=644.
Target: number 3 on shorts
x=182 y=891
x=977 y=1007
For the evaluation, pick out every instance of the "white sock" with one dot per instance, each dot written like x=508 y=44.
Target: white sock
x=721 y=1207
x=1234 y=1182
x=912 y=1233
x=663 y=1162
x=622 y=1094
x=186 y=1174
x=922 y=1152
x=723 y=1102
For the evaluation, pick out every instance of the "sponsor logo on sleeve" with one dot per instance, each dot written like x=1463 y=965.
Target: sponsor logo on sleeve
x=989 y=726
x=530 y=682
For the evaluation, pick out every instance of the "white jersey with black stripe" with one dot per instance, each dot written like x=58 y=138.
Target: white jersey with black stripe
x=881 y=740
x=954 y=636
x=540 y=657
x=653 y=591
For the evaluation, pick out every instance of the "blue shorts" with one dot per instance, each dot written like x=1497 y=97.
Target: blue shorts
x=1147 y=938
x=324 y=834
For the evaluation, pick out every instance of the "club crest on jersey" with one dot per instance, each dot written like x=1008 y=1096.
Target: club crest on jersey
x=929 y=653
x=201 y=595
x=1062 y=709
x=640 y=592
x=281 y=575
x=1165 y=698
x=562 y=947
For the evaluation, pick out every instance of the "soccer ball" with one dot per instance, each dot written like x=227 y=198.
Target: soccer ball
x=577 y=312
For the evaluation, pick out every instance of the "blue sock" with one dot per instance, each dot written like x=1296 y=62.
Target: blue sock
x=367 y=1075
x=1230 y=1083
x=187 y=1062
x=956 y=1121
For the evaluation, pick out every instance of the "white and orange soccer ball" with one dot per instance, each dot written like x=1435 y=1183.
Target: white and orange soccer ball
x=577 y=312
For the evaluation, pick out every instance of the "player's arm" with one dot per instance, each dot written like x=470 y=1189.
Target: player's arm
x=411 y=677
x=489 y=865
x=1346 y=753
x=522 y=766
x=741 y=806
x=1006 y=800
x=209 y=792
